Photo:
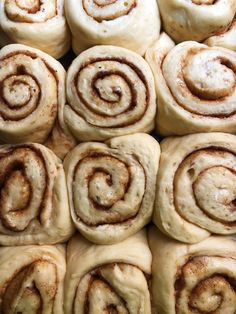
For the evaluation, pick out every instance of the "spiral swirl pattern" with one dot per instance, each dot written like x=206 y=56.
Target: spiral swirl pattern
x=36 y=23
x=195 y=87
x=100 y=290
x=210 y=91
x=198 y=278
x=108 y=189
x=106 y=10
x=132 y=24
x=30 y=11
x=202 y=179
x=111 y=91
x=31 y=277
x=28 y=181
x=23 y=170
x=30 y=89
x=201 y=288
x=111 y=278
x=34 y=283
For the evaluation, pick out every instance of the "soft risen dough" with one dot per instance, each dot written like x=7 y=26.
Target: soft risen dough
x=32 y=279
x=120 y=283
x=33 y=91
x=60 y=140
x=196 y=19
x=201 y=276
x=226 y=39
x=196 y=186
x=111 y=92
x=33 y=185
x=132 y=24
x=44 y=29
x=112 y=186
x=195 y=87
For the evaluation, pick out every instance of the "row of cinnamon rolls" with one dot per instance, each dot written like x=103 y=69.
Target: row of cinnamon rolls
x=132 y=24
x=111 y=190
x=110 y=91
x=144 y=274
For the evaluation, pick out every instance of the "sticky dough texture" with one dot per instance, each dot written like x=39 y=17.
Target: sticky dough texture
x=40 y=24
x=189 y=278
x=131 y=24
x=34 y=200
x=112 y=186
x=195 y=87
x=196 y=19
x=31 y=279
x=227 y=39
x=196 y=186
x=117 y=273
x=110 y=93
x=32 y=94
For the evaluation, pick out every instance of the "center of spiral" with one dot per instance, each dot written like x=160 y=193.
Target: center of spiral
x=16 y=92
x=214 y=77
x=32 y=6
x=215 y=191
x=207 y=296
x=101 y=188
x=107 y=10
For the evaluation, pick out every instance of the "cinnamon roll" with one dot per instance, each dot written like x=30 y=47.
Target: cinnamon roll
x=196 y=19
x=196 y=186
x=40 y=24
x=31 y=279
x=198 y=278
x=31 y=92
x=110 y=92
x=108 y=278
x=112 y=186
x=195 y=87
x=34 y=205
x=132 y=24
x=227 y=39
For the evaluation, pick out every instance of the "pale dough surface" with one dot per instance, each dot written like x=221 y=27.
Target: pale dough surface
x=132 y=24
x=227 y=39
x=196 y=186
x=120 y=269
x=111 y=92
x=189 y=278
x=112 y=186
x=32 y=279
x=33 y=94
x=196 y=19
x=195 y=86
x=34 y=200
x=40 y=24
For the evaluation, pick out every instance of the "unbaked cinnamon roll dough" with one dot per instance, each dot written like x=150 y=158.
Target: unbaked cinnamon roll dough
x=197 y=278
x=32 y=94
x=40 y=24
x=108 y=277
x=195 y=87
x=34 y=202
x=32 y=279
x=132 y=24
x=110 y=92
x=227 y=39
x=111 y=186
x=196 y=19
x=196 y=186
